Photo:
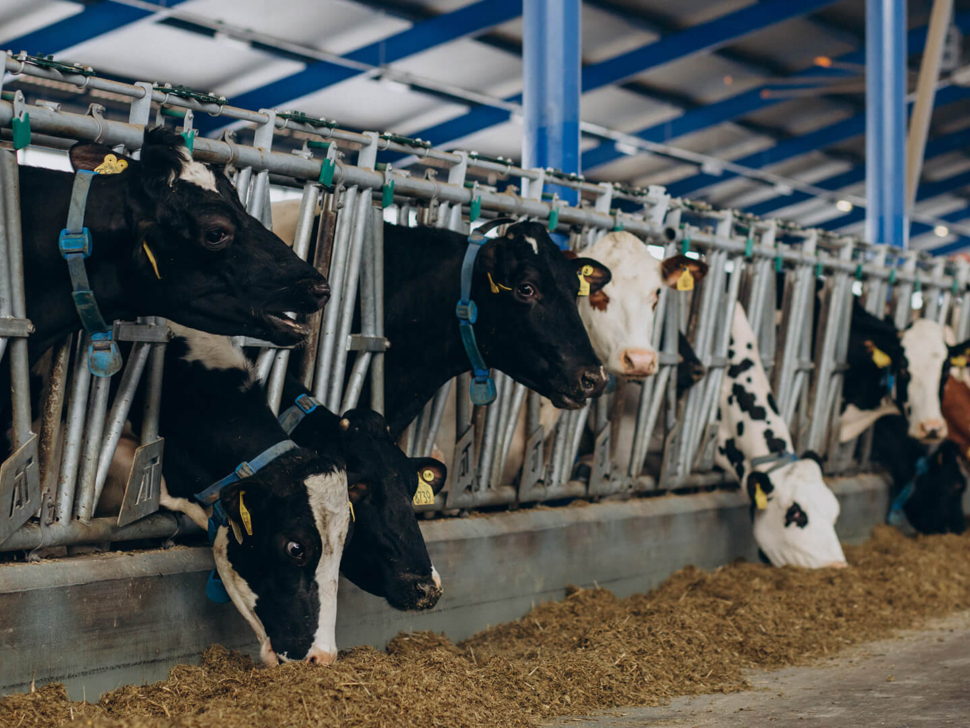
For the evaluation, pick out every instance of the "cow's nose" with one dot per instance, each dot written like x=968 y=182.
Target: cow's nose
x=320 y=290
x=267 y=656
x=932 y=429
x=318 y=656
x=592 y=380
x=638 y=362
x=428 y=593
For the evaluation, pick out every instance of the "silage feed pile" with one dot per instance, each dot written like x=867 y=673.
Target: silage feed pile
x=698 y=632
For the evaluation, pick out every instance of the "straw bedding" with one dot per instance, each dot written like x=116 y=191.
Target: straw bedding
x=698 y=632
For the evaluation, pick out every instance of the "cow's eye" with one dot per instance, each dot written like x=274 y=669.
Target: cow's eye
x=526 y=290
x=295 y=550
x=217 y=238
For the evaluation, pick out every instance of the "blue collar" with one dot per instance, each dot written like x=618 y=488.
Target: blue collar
x=291 y=418
x=74 y=242
x=482 y=386
x=245 y=469
x=778 y=460
x=897 y=514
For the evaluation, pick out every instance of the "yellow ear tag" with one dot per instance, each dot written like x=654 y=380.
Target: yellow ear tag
x=244 y=514
x=958 y=361
x=111 y=165
x=760 y=499
x=583 y=283
x=424 y=496
x=151 y=259
x=353 y=517
x=686 y=281
x=496 y=286
x=880 y=358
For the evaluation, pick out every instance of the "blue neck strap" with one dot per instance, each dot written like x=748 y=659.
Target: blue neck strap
x=482 y=386
x=74 y=243
x=245 y=469
x=778 y=460
x=302 y=406
x=897 y=514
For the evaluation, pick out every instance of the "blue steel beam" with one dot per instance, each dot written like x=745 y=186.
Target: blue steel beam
x=466 y=21
x=926 y=191
x=743 y=104
x=701 y=38
x=934 y=148
x=94 y=20
x=797 y=146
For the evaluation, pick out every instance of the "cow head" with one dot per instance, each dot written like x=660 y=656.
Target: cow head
x=528 y=325
x=191 y=251
x=936 y=505
x=386 y=554
x=619 y=315
x=794 y=515
x=280 y=557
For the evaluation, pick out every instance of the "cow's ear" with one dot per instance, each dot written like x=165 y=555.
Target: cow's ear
x=593 y=272
x=244 y=502
x=162 y=158
x=759 y=487
x=358 y=487
x=812 y=455
x=673 y=268
x=431 y=471
x=960 y=354
x=91 y=156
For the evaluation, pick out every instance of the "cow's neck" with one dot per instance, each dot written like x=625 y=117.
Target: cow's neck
x=45 y=197
x=426 y=349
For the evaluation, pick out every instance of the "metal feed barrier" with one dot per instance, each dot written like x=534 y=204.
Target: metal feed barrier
x=49 y=494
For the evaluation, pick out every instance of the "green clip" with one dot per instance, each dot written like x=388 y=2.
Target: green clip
x=858 y=272
x=21 y=131
x=819 y=269
x=953 y=287
x=779 y=264
x=327 y=168
x=388 y=199
x=685 y=243
x=553 y=219
x=617 y=228
x=475 y=209
x=749 y=247
x=917 y=285
x=189 y=137
x=892 y=277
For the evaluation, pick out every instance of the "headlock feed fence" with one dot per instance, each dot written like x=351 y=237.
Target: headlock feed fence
x=49 y=495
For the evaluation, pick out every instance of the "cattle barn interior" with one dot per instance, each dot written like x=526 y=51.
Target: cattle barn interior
x=563 y=356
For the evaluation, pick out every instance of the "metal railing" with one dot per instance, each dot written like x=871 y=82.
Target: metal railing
x=49 y=493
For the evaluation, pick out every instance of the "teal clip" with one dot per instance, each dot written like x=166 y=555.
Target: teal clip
x=858 y=272
x=553 y=219
x=917 y=285
x=327 y=168
x=779 y=264
x=475 y=209
x=749 y=247
x=388 y=198
x=953 y=287
x=892 y=277
x=21 y=131
x=189 y=137
x=685 y=243
x=819 y=269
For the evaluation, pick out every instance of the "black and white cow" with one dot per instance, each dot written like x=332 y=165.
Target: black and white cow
x=525 y=291
x=793 y=510
x=282 y=571
x=171 y=239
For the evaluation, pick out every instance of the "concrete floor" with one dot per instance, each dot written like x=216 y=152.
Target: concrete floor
x=920 y=679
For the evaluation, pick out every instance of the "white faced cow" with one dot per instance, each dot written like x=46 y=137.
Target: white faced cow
x=793 y=510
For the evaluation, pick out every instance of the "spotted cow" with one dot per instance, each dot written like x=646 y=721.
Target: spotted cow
x=792 y=508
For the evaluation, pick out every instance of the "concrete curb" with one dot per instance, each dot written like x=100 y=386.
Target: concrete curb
x=98 y=622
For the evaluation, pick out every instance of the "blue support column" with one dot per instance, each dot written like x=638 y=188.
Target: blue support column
x=551 y=55
x=886 y=122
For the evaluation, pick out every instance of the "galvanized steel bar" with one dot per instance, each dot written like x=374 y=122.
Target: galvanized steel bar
x=94 y=426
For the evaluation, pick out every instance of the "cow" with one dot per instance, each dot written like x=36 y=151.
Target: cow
x=527 y=325
x=792 y=508
x=279 y=554
x=927 y=487
x=169 y=238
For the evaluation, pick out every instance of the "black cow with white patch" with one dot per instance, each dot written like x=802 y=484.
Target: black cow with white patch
x=528 y=325
x=169 y=238
x=793 y=510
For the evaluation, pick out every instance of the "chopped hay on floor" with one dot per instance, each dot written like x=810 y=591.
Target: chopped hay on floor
x=697 y=633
